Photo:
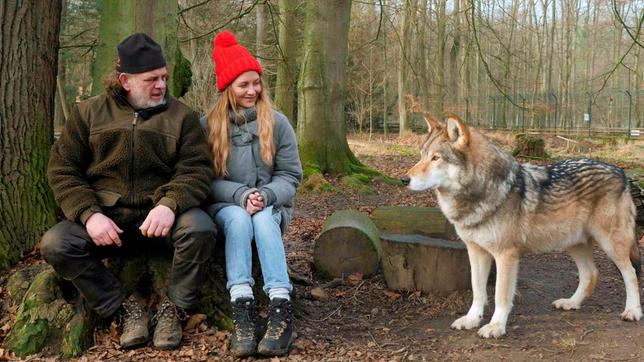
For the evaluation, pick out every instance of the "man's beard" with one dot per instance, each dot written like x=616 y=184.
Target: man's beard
x=143 y=101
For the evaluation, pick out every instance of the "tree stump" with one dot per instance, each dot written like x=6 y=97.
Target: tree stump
x=417 y=262
x=46 y=322
x=530 y=146
x=428 y=221
x=349 y=243
x=53 y=320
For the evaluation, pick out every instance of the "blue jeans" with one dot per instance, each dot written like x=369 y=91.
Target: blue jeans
x=240 y=229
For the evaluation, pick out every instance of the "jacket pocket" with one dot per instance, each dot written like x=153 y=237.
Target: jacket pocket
x=107 y=198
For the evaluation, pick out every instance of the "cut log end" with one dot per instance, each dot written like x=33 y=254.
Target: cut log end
x=349 y=243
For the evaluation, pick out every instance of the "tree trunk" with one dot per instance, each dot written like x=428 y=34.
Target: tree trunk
x=260 y=30
x=403 y=69
x=322 y=88
x=440 y=54
x=286 y=67
x=156 y=18
x=28 y=62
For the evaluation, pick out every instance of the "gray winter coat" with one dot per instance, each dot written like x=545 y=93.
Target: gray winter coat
x=248 y=173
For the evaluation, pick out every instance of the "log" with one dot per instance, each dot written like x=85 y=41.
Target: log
x=349 y=243
x=417 y=262
x=428 y=221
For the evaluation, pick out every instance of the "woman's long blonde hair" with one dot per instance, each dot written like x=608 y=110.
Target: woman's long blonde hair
x=218 y=128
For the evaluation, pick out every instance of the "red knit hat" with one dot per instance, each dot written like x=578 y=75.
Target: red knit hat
x=231 y=59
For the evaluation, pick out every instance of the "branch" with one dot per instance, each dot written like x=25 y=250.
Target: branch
x=496 y=83
x=628 y=31
x=181 y=11
x=239 y=16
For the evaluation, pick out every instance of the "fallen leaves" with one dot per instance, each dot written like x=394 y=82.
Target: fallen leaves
x=194 y=321
x=354 y=279
x=319 y=294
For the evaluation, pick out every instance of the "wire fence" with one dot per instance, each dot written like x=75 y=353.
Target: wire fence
x=612 y=112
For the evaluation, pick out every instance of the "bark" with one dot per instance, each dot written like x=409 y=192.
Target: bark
x=440 y=54
x=286 y=67
x=28 y=63
x=427 y=221
x=260 y=30
x=322 y=88
x=46 y=322
x=349 y=243
x=415 y=262
x=385 y=108
x=409 y=7
x=454 y=57
x=156 y=18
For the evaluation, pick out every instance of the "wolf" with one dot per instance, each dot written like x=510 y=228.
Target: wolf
x=502 y=209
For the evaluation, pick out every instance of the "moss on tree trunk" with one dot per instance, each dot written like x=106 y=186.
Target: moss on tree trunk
x=29 y=53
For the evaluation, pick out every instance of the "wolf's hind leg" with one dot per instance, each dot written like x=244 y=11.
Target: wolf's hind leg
x=582 y=254
x=507 y=268
x=617 y=246
x=480 y=263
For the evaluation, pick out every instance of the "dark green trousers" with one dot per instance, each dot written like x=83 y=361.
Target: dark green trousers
x=69 y=249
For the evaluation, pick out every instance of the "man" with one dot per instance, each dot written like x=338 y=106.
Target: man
x=130 y=169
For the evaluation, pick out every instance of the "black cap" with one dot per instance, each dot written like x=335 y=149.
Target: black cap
x=138 y=53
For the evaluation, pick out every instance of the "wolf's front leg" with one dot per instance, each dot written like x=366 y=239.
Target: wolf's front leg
x=507 y=268
x=480 y=262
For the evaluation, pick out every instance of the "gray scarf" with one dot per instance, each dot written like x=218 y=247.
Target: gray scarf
x=244 y=116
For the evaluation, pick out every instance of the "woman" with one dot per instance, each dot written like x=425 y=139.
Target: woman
x=257 y=170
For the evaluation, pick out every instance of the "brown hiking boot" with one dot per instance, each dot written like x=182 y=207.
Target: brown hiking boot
x=135 y=319
x=168 y=331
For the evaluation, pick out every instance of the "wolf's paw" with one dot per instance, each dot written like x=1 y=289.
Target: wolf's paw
x=492 y=330
x=631 y=314
x=566 y=304
x=466 y=322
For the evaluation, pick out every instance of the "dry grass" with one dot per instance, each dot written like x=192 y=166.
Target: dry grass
x=622 y=151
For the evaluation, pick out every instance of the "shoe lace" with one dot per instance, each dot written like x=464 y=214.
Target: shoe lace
x=244 y=315
x=132 y=312
x=167 y=313
x=279 y=317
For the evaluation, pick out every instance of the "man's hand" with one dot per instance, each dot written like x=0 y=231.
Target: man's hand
x=103 y=230
x=254 y=203
x=158 y=222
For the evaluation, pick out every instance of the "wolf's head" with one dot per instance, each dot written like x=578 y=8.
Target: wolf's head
x=443 y=156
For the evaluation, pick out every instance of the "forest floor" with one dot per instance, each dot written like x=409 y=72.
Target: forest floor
x=361 y=320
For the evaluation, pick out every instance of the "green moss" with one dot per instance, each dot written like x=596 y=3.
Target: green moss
x=310 y=169
x=358 y=182
x=181 y=75
x=27 y=338
x=78 y=333
x=404 y=150
x=313 y=179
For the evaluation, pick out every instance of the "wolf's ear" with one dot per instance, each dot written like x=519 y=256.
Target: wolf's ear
x=432 y=124
x=457 y=131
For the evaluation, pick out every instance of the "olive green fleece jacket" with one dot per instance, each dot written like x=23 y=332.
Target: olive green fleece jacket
x=122 y=163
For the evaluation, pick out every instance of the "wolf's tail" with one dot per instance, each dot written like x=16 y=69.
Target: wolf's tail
x=636 y=259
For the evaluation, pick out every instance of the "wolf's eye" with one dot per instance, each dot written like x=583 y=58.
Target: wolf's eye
x=435 y=157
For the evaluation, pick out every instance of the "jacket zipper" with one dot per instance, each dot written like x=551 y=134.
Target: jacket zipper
x=134 y=122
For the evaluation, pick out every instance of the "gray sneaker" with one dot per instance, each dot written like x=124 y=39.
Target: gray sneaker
x=135 y=319
x=168 y=331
